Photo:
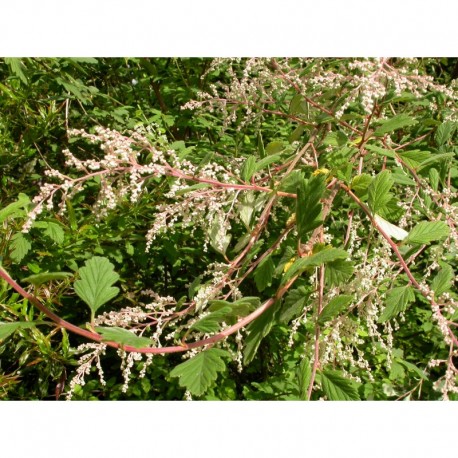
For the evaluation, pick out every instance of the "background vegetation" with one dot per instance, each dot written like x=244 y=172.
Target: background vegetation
x=254 y=120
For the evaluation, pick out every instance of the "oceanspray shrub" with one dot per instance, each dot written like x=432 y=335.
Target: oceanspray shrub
x=338 y=226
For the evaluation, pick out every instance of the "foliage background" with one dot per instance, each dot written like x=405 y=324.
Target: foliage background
x=40 y=98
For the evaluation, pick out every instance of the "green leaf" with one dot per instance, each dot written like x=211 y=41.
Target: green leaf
x=397 y=300
x=261 y=149
x=428 y=231
x=12 y=209
x=74 y=88
x=130 y=250
x=444 y=132
x=443 y=281
x=6 y=329
x=200 y=372
x=263 y=163
x=298 y=105
x=435 y=158
x=378 y=190
x=308 y=206
x=335 y=139
x=71 y=215
x=411 y=367
x=123 y=337
x=242 y=242
x=239 y=308
x=249 y=168
x=434 y=178
x=46 y=277
x=382 y=151
x=400 y=177
x=334 y=307
x=314 y=260
x=296 y=134
x=287 y=257
x=257 y=330
x=16 y=67
x=304 y=375
x=292 y=181
x=338 y=272
x=20 y=246
x=263 y=273
x=211 y=322
x=395 y=123
x=84 y=60
x=360 y=183
x=338 y=388
x=396 y=371
x=274 y=147
x=415 y=157
x=294 y=304
x=194 y=286
x=94 y=287
x=55 y=232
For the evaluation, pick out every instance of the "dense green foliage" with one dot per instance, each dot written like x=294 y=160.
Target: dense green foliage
x=282 y=229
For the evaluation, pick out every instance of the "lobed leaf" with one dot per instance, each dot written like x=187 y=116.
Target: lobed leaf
x=15 y=208
x=397 y=300
x=338 y=388
x=317 y=259
x=294 y=304
x=257 y=330
x=427 y=232
x=199 y=373
x=212 y=322
x=95 y=286
x=382 y=151
x=360 y=184
x=334 y=307
x=20 y=246
x=55 y=232
x=395 y=123
x=308 y=205
x=338 y=272
x=443 y=281
x=304 y=375
x=263 y=273
x=444 y=132
x=17 y=66
x=378 y=191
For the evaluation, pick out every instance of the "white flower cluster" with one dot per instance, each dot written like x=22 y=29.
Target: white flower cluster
x=85 y=364
x=261 y=81
x=202 y=208
x=119 y=172
x=127 y=362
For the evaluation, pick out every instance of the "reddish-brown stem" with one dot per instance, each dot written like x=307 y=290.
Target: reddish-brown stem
x=218 y=184
x=401 y=260
x=163 y=350
x=316 y=360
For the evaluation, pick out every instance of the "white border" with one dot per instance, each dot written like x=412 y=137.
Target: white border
x=228 y=429
x=310 y=28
